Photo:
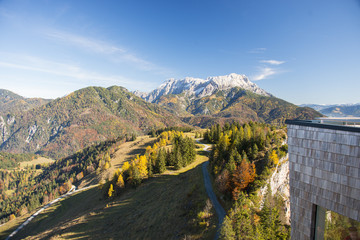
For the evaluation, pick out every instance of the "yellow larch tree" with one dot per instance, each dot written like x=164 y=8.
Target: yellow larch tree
x=111 y=190
x=120 y=181
x=274 y=157
x=125 y=166
x=142 y=166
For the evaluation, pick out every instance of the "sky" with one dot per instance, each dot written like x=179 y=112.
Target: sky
x=301 y=51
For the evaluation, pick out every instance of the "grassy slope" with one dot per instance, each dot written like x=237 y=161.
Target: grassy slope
x=164 y=207
x=40 y=160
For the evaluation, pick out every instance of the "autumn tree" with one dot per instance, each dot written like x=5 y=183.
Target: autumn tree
x=142 y=166
x=111 y=191
x=242 y=176
x=125 y=166
x=274 y=159
x=120 y=181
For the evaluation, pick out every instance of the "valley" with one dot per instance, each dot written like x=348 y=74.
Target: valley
x=138 y=155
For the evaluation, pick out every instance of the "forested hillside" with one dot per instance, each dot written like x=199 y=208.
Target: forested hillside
x=241 y=161
x=235 y=104
x=86 y=116
x=21 y=191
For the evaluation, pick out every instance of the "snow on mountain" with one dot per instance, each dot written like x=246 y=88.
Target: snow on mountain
x=197 y=87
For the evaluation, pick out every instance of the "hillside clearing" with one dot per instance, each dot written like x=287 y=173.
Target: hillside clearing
x=39 y=160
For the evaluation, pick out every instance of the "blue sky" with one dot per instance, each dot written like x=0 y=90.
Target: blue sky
x=300 y=51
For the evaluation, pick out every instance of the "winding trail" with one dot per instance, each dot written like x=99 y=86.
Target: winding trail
x=209 y=190
x=69 y=193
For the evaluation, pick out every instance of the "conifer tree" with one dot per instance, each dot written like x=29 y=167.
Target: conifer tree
x=255 y=151
x=120 y=182
x=179 y=161
x=160 y=162
x=227 y=232
x=111 y=190
x=134 y=176
x=142 y=166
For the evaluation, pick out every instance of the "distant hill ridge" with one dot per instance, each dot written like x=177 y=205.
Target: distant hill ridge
x=12 y=102
x=337 y=110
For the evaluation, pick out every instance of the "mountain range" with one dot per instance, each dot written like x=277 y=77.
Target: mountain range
x=337 y=110
x=59 y=127
x=199 y=88
x=233 y=97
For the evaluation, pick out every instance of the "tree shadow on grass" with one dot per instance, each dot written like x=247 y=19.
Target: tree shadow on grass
x=140 y=150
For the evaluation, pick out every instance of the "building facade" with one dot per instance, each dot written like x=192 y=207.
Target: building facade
x=324 y=163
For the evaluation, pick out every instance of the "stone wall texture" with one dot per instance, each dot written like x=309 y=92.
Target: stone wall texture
x=324 y=170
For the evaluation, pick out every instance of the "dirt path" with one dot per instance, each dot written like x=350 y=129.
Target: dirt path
x=209 y=190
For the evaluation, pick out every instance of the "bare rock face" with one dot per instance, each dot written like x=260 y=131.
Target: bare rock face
x=3 y=130
x=198 y=88
x=279 y=184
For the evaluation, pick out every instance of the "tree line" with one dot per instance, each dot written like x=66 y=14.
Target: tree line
x=10 y=160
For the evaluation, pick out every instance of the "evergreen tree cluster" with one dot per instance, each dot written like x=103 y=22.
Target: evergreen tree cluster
x=246 y=221
x=10 y=160
x=241 y=161
x=242 y=154
x=156 y=160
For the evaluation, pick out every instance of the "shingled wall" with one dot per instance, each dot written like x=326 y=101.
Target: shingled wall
x=324 y=170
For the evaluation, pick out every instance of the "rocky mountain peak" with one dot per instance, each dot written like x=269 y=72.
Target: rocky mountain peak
x=197 y=87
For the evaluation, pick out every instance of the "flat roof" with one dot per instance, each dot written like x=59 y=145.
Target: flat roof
x=342 y=124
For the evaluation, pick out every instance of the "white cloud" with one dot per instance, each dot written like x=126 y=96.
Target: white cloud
x=91 y=44
x=264 y=73
x=105 y=48
x=273 y=62
x=31 y=63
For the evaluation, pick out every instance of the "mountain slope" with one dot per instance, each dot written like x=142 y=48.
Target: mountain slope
x=11 y=102
x=79 y=119
x=235 y=104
